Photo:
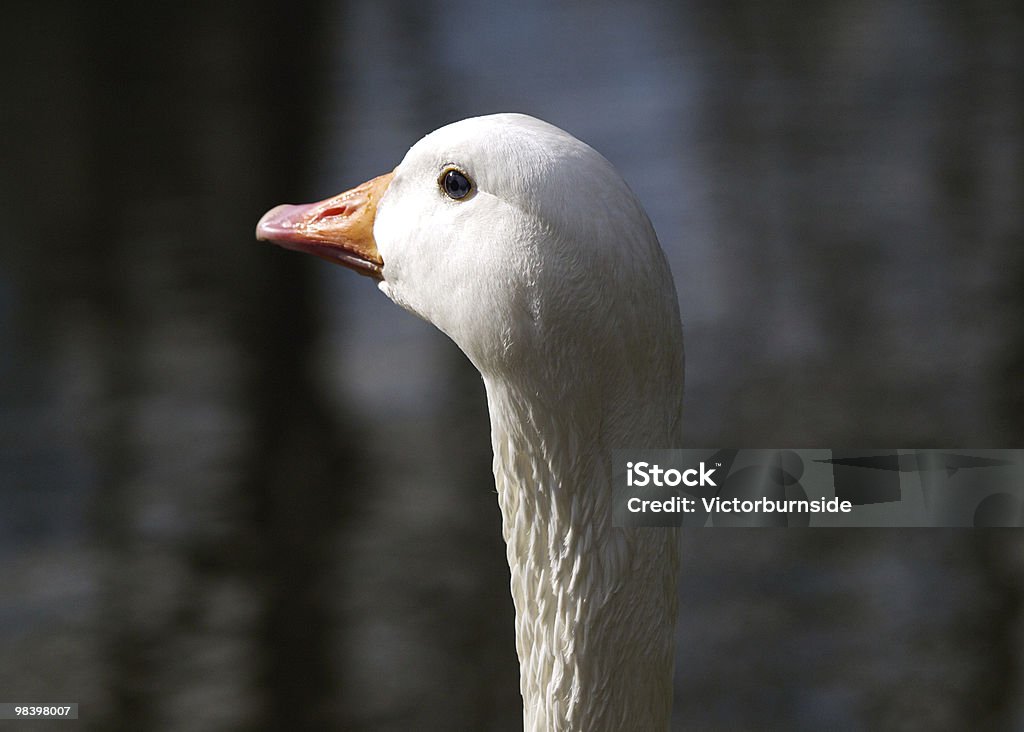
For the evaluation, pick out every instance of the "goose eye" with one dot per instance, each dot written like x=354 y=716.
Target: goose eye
x=455 y=184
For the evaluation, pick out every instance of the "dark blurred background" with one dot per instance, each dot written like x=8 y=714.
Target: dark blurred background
x=242 y=490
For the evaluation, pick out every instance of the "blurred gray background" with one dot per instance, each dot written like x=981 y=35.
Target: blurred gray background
x=242 y=490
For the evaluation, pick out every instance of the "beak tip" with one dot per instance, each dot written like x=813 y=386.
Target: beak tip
x=276 y=222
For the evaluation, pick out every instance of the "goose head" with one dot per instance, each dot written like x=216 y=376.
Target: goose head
x=521 y=243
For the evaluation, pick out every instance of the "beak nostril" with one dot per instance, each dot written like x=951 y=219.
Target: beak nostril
x=334 y=211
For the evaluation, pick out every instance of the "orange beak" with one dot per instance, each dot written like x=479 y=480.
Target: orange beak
x=339 y=229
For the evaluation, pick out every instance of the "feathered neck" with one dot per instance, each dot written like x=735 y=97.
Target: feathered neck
x=595 y=605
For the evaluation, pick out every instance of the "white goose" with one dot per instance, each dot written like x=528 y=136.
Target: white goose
x=526 y=247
